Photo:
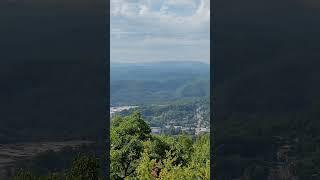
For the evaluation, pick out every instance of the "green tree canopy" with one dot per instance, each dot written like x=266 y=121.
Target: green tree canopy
x=127 y=136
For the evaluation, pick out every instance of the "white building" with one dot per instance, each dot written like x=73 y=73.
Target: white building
x=156 y=130
x=202 y=130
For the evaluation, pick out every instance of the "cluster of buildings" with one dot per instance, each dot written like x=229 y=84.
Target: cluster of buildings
x=167 y=129
x=178 y=129
x=202 y=130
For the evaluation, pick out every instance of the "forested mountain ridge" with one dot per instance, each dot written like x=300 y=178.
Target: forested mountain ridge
x=135 y=154
x=173 y=97
x=186 y=113
x=157 y=82
x=162 y=70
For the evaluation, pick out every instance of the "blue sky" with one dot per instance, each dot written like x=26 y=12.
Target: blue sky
x=160 y=30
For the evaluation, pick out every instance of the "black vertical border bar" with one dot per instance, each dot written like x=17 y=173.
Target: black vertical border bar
x=212 y=95
x=106 y=134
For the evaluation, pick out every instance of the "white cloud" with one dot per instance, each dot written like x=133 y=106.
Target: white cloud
x=182 y=2
x=141 y=12
x=137 y=26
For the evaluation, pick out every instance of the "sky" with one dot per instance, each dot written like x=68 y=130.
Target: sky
x=160 y=30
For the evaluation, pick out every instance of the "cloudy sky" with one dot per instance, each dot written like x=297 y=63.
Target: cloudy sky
x=160 y=30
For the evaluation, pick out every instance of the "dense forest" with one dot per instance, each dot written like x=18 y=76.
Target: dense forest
x=82 y=163
x=158 y=82
x=135 y=154
x=186 y=113
x=82 y=167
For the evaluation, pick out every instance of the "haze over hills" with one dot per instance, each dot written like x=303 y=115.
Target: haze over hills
x=158 y=70
x=172 y=96
x=147 y=83
x=172 y=100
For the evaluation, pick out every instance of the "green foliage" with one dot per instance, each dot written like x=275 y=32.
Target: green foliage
x=146 y=165
x=196 y=164
x=180 y=112
x=83 y=168
x=24 y=175
x=136 y=154
x=161 y=156
x=127 y=135
x=146 y=83
x=201 y=149
x=27 y=175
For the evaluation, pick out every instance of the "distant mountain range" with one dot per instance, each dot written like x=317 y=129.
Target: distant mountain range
x=145 y=83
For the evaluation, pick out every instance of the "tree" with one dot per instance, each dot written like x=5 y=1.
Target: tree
x=147 y=164
x=84 y=168
x=184 y=159
x=127 y=136
x=24 y=175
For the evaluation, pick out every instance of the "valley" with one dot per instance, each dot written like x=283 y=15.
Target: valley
x=173 y=97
